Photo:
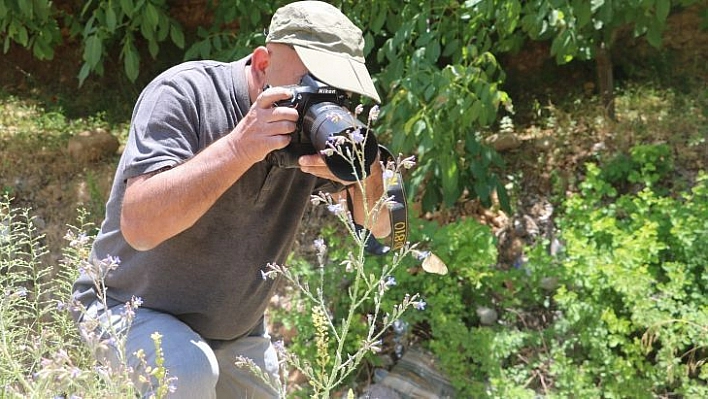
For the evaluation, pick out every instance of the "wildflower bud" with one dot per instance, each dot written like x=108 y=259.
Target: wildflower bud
x=408 y=162
x=374 y=113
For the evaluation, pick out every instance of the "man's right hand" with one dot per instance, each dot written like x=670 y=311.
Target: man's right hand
x=265 y=127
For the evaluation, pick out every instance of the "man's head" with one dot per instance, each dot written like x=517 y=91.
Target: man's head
x=330 y=46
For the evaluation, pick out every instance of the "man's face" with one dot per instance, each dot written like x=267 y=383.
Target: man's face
x=285 y=67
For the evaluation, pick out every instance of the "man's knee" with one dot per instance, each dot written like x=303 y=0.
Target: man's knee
x=192 y=370
x=190 y=366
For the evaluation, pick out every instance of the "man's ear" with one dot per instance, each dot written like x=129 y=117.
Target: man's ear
x=260 y=60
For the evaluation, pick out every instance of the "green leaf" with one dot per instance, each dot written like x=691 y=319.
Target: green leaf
x=596 y=4
x=418 y=128
x=662 y=9
x=177 y=36
x=131 y=61
x=450 y=174
x=22 y=36
x=583 y=13
x=378 y=20
x=128 y=7
x=111 y=21
x=25 y=8
x=451 y=47
x=163 y=28
x=83 y=73
x=432 y=52
x=153 y=48
x=654 y=36
x=147 y=31
x=42 y=50
x=93 y=51
x=151 y=16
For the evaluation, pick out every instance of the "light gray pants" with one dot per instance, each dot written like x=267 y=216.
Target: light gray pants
x=203 y=368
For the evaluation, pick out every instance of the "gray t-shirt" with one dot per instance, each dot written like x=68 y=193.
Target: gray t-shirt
x=209 y=276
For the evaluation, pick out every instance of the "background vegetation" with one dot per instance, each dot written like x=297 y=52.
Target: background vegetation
x=600 y=295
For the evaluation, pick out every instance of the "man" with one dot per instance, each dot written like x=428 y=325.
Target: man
x=196 y=211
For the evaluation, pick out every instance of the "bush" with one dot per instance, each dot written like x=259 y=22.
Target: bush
x=619 y=313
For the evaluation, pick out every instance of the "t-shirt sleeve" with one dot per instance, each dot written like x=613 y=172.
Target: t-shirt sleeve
x=164 y=129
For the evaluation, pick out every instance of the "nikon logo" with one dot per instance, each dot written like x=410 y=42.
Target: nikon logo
x=327 y=91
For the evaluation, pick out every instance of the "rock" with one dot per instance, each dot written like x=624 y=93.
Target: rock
x=504 y=142
x=417 y=376
x=487 y=316
x=378 y=391
x=549 y=283
x=91 y=146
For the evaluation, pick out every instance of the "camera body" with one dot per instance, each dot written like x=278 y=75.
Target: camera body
x=325 y=123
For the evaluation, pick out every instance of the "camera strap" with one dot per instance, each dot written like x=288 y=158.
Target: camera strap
x=398 y=211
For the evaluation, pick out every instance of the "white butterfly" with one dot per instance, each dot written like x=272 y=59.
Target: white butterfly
x=431 y=262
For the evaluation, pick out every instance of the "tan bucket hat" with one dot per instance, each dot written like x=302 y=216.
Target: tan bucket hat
x=328 y=43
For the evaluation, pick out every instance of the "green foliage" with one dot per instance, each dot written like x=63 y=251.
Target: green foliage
x=626 y=297
x=31 y=24
x=633 y=303
x=442 y=79
x=103 y=22
x=577 y=29
x=646 y=165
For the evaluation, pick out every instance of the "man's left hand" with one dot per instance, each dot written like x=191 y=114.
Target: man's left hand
x=315 y=165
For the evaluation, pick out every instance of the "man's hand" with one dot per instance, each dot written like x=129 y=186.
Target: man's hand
x=315 y=165
x=265 y=127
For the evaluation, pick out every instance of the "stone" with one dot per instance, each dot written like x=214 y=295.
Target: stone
x=92 y=145
x=504 y=142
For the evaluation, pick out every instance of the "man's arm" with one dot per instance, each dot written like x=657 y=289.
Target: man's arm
x=158 y=206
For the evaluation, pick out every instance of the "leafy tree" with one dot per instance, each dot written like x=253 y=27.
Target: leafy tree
x=443 y=83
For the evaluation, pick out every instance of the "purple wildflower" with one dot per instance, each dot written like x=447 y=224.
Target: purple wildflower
x=356 y=136
x=335 y=208
x=390 y=281
x=419 y=305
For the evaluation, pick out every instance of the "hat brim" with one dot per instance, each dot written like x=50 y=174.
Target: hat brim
x=338 y=71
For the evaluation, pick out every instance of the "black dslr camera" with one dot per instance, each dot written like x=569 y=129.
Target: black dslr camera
x=323 y=118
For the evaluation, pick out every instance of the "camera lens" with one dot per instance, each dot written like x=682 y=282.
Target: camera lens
x=324 y=122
